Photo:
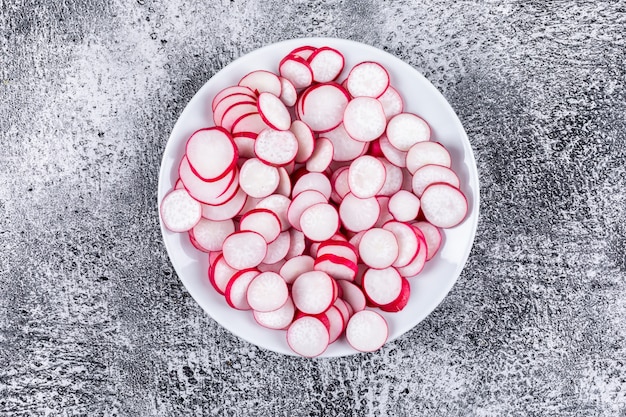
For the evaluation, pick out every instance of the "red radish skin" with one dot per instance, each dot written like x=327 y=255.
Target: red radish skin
x=408 y=242
x=306 y=140
x=258 y=179
x=277 y=250
x=308 y=337
x=431 y=174
x=262 y=221
x=344 y=308
x=323 y=106
x=275 y=147
x=336 y=266
x=392 y=102
x=321 y=157
x=401 y=301
x=367 y=79
x=404 y=206
x=178 y=185
x=367 y=331
x=443 y=205
x=267 y=292
x=313 y=292
x=220 y=273
x=228 y=91
x=417 y=265
x=235 y=112
x=393 y=155
x=340 y=185
x=427 y=153
x=211 y=193
x=406 y=129
x=273 y=111
x=382 y=286
x=339 y=248
x=243 y=250
x=228 y=103
x=358 y=214
x=337 y=324
x=364 y=119
x=297 y=70
x=261 y=81
x=433 y=237
x=179 y=211
x=378 y=248
x=211 y=153
x=237 y=288
x=278 y=319
x=319 y=222
x=210 y=235
x=277 y=204
x=295 y=267
x=326 y=64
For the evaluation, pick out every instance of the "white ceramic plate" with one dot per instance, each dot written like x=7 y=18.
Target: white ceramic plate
x=422 y=98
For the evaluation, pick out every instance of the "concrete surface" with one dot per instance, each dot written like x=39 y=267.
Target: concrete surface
x=93 y=321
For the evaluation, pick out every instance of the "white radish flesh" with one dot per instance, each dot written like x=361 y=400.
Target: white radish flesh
x=367 y=331
x=262 y=221
x=345 y=148
x=250 y=123
x=308 y=337
x=382 y=286
x=179 y=211
x=367 y=79
x=237 y=289
x=244 y=250
x=211 y=153
x=319 y=222
x=312 y=181
x=258 y=179
x=212 y=193
x=267 y=292
x=384 y=215
x=336 y=266
x=378 y=248
x=305 y=138
x=358 y=214
x=277 y=204
x=353 y=295
x=273 y=111
x=392 y=102
x=277 y=250
x=277 y=319
x=229 y=91
x=323 y=106
x=245 y=144
x=433 y=237
x=393 y=155
x=366 y=176
x=321 y=157
x=313 y=292
x=210 y=234
x=300 y=203
x=297 y=70
x=406 y=129
x=431 y=174
x=326 y=64
x=235 y=112
x=337 y=324
x=404 y=206
x=364 y=119
x=427 y=153
x=408 y=242
x=297 y=243
x=261 y=81
x=393 y=179
x=443 y=205
x=276 y=147
x=220 y=274
x=340 y=185
x=288 y=94
x=230 y=102
x=295 y=267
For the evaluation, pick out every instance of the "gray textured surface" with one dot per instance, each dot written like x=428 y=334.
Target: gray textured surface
x=93 y=321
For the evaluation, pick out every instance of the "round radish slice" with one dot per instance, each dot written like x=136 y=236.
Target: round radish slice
x=417 y=265
x=273 y=111
x=392 y=102
x=337 y=324
x=300 y=203
x=261 y=81
x=249 y=123
x=367 y=331
x=277 y=250
x=322 y=156
x=305 y=138
x=323 y=106
x=312 y=181
x=235 y=112
x=277 y=204
x=336 y=266
x=267 y=292
x=430 y=174
x=326 y=64
x=297 y=70
x=295 y=267
x=338 y=248
x=304 y=52
x=393 y=179
x=358 y=214
x=401 y=301
x=393 y=155
x=212 y=193
x=366 y=176
x=319 y=222
x=284 y=182
x=427 y=153
x=313 y=292
x=297 y=243
x=211 y=153
x=245 y=144
x=229 y=91
x=288 y=94
x=210 y=235
x=353 y=295
x=340 y=184
x=406 y=129
x=408 y=242
x=433 y=237
x=367 y=79
x=443 y=205
x=262 y=221
x=225 y=211
x=345 y=148
x=404 y=206
x=179 y=211
x=382 y=286
x=237 y=289
x=275 y=267
x=378 y=248
x=258 y=179
x=275 y=147
x=220 y=273
x=384 y=215
x=227 y=103
x=278 y=319
x=308 y=337
x=364 y=119
x=244 y=250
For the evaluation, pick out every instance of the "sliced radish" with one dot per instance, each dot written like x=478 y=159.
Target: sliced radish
x=322 y=156
x=308 y=336
x=278 y=319
x=179 y=184
x=227 y=210
x=304 y=52
x=344 y=308
x=393 y=155
x=392 y=102
x=275 y=147
x=228 y=103
x=300 y=203
x=237 y=289
x=275 y=267
x=408 y=242
x=210 y=235
x=431 y=174
x=212 y=193
x=244 y=250
x=251 y=204
x=364 y=119
x=295 y=267
x=262 y=221
x=319 y=222
x=312 y=181
x=393 y=179
x=305 y=138
x=278 y=204
x=367 y=79
x=326 y=64
x=382 y=286
x=273 y=111
x=407 y=180
x=267 y=292
x=258 y=179
x=229 y=91
x=384 y=215
x=220 y=273
x=179 y=211
x=433 y=238
x=345 y=148
x=297 y=70
x=336 y=266
x=404 y=206
x=236 y=112
x=366 y=176
x=288 y=94
x=338 y=248
x=353 y=295
x=245 y=144
x=277 y=250
x=378 y=248
x=406 y=129
x=211 y=153
x=367 y=331
x=261 y=81
x=355 y=240
x=195 y=244
x=358 y=214
x=427 y=153
x=250 y=123
x=297 y=244
x=313 y=292
x=443 y=205
x=401 y=301
x=337 y=324
x=417 y=265
x=323 y=106
x=340 y=186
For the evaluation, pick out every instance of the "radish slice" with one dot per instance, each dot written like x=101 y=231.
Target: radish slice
x=275 y=147
x=367 y=79
x=288 y=94
x=227 y=103
x=308 y=337
x=364 y=119
x=401 y=301
x=323 y=106
x=245 y=144
x=345 y=148
x=326 y=64
x=277 y=204
x=417 y=265
x=179 y=211
x=392 y=102
x=195 y=243
x=211 y=153
x=267 y=292
x=250 y=123
x=229 y=91
x=277 y=319
x=443 y=205
x=277 y=250
x=366 y=176
x=319 y=222
x=337 y=324
x=179 y=184
x=295 y=267
x=393 y=179
x=340 y=185
x=344 y=308
x=353 y=295
x=384 y=215
x=304 y=52
x=227 y=210
x=297 y=70
x=237 y=289
x=408 y=242
x=244 y=250
x=393 y=155
x=427 y=153
x=305 y=138
x=430 y=174
x=404 y=206
x=378 y=248
x=406 y=129
x=300 y=203
x=251 y=204
x=212 y=193
x=210 y=235
x=322 y=156
x=367 y=331
x=297 y=244
x=313 y=292
x=312 y=181
x=261 y=221
x=338 y=248
x=358 y=214
x=261 y=81
x=382 y=286
x=275 y=267
x=273 y=111
x=220 y=273
x=336 y=266
x=258 y=179
x=235 y=112
x=433 y=238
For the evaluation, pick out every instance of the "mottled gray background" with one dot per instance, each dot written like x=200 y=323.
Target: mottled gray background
x=93 y=320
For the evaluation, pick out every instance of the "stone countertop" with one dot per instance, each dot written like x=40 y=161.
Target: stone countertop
x=94 y=321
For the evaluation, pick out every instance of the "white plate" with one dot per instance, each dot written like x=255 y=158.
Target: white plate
x=422 y=98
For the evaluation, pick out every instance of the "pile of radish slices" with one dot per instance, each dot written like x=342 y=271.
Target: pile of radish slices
x=316 y=200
